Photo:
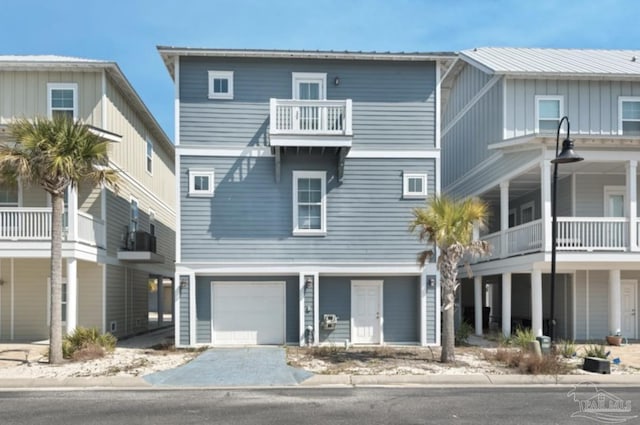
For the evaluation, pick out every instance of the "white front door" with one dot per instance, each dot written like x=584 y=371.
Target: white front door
x=366 y=312
x=628 y=304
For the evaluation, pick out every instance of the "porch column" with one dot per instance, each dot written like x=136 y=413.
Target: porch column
x=72 y=214
x=506 y=304
x=72 y=294
x=477 y=292
x=504 y=217
x=545 y=177
x=536 y=302
x=615 y=324
x=632 y=208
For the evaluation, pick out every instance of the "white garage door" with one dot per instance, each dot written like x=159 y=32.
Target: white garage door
x=248 y=313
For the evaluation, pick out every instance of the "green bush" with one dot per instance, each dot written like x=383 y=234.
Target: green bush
x=463 y=332
x=523 y=337
x=566 y=348
x=87 y=339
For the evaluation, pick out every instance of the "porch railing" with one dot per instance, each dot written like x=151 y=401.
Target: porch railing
x=592 y=233
x=312 y=117
x=525 y=238
x=28 y=224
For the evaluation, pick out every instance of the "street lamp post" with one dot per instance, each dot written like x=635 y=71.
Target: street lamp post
x=566 y=156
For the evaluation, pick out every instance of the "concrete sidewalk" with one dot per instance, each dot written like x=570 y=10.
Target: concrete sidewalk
x=469 y=380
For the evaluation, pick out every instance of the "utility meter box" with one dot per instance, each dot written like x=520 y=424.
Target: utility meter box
x=329 y=321
x=545 y=344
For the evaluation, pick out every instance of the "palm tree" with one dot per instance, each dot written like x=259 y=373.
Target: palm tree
x=55 y=154
x=447 y=225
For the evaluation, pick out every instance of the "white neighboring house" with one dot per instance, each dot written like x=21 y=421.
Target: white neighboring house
x=113 y=243
x=501 y=112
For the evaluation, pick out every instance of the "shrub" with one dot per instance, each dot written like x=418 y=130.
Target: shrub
x=87 y=342
x=595 y=350
x=548 y=364
x=523 y=337
x=463 y=332
x=565 y=348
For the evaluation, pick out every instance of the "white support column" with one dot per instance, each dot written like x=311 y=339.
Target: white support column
x=72 y=214
x=477 y=305
x=536 y=302
x=615 y=307
x=72 y=294
x=506 y=304
x=301 y=312
x=545 y=177
x=632 y=203
x=504 y=217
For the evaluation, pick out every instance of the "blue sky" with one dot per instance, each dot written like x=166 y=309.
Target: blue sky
x=128 y=32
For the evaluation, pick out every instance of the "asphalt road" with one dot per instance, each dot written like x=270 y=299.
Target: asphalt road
x=355 y=406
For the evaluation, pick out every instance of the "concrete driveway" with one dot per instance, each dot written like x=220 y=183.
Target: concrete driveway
x=246 y=366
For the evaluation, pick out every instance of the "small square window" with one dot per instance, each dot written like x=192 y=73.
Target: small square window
x=629 y=112
x=62 y=100
x=220 y=84
x=201 y=183
x=414 y=185
x=549 y=111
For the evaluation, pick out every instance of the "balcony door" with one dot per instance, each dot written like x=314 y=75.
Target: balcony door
x=614 y=201
x=309 y=86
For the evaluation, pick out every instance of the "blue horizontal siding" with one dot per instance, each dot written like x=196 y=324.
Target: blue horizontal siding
x=250 y=216
x=393 y=102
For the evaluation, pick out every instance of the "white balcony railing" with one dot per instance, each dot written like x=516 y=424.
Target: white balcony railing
x=310 y=117
x=525 y=238
x=574 y=234
x=592 y=233
x=30 y=224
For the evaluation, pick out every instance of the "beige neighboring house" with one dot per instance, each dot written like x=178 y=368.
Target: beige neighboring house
x=113 y=243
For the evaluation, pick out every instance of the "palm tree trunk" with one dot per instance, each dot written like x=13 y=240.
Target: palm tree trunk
x=55 y=329
x=449 y=275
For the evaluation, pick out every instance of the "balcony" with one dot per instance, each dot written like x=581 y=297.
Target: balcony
x=311 y=124
x=578 y=234
x=34 y=224
x=139 y=247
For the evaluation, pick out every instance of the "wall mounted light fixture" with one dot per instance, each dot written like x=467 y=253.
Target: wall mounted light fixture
x=336 y=81
x=184 y=282
x=308 y=282
x=431 y=281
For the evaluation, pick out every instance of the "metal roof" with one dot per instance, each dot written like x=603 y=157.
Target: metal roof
x=169 y=52
x=68 y=63
x=555 y=62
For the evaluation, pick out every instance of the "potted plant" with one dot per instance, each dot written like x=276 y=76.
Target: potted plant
x=614 y=339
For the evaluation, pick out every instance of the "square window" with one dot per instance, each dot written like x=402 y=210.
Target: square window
x=309 y=203
x=62 y=100
x=549 y=111
x=200 y=183
x=414 y=185
x=220 y=84
x=629 y=111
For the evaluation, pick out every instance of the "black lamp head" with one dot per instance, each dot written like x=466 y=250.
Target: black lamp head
x=567 y=154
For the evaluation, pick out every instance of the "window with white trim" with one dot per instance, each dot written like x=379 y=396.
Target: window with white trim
x=149 y=156
x=220 y=84
x=134 y=213
x=549 y=111
x=414 y=185
x=9 y=195
x=62 y=100
x=201 y=183
x=309 y=203
x=527 y=212
x=629 y=116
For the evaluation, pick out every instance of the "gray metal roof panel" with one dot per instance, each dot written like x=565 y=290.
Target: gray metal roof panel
x=591 y=62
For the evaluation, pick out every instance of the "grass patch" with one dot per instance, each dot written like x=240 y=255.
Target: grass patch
x=529 y=363
x=565 y=348
x=595 y=350
x=462 y=333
